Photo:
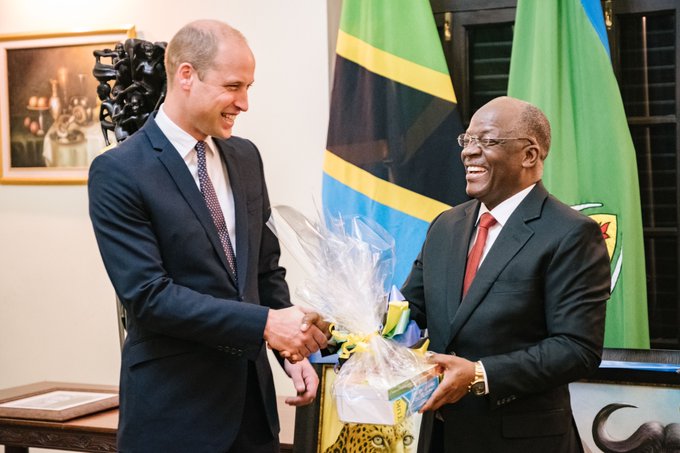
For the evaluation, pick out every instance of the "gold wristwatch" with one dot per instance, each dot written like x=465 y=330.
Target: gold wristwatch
x=477 y=387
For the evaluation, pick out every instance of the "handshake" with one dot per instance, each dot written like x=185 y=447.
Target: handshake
x=295 y=332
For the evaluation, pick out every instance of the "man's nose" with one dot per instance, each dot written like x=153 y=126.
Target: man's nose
x=472 y=149
x=242 y=101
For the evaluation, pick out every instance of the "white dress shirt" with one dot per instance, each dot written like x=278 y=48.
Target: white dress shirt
x=501 y=213
x=217 y=170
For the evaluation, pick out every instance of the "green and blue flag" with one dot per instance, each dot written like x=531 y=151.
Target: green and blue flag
x=391 y=153
x=561 y=63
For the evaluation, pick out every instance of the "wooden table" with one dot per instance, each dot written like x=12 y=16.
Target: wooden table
x=90 y=433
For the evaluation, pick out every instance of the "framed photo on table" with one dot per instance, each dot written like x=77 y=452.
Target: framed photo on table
x=49 y=109
x=56 y=401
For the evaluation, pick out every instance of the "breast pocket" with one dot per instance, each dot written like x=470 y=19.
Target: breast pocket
x=509 y=286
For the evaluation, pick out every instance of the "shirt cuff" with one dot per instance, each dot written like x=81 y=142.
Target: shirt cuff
x=486 y=381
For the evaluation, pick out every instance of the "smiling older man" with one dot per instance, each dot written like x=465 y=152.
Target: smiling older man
x=512 y=286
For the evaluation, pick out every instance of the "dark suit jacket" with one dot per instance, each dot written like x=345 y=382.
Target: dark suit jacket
x=191 y=329
x=534 y=315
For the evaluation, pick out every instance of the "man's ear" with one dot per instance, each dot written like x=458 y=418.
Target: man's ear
x=532 y=155
x=185 y=75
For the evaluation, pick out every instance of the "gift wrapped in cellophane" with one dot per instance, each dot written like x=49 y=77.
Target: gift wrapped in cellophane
x=349 y=264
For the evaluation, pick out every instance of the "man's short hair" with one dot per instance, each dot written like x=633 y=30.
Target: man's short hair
x=535 y=124
x=197 y=43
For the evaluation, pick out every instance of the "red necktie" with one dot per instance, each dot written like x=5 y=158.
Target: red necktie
x=485 y=222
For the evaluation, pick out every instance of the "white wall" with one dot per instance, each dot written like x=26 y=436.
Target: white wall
x=57 y=311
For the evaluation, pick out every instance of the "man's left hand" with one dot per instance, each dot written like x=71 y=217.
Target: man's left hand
x=458 y=374
x=305 y=381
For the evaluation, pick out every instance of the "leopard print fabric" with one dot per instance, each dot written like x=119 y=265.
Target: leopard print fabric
x=360 y=438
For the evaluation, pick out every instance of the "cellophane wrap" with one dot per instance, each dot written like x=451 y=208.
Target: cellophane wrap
x=349 y=263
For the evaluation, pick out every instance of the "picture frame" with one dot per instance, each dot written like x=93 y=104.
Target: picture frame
x=56 y=401
x=317 y=426
x=633 y=391
x=49 y=109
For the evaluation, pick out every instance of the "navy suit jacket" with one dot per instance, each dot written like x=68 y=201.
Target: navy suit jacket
x=191 y=328
x=534 y=315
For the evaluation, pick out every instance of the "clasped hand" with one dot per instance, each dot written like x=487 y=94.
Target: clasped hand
x=295 y=333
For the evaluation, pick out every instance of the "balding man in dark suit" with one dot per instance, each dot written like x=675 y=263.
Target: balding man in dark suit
x=512 y=287
x=179 y=211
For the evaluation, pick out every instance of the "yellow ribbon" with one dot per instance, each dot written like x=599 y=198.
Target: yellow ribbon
x=397 y=318
x=423 y=348
x=351 y=342
x=396 y=321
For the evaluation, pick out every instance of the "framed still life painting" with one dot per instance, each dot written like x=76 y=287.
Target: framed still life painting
x=49 y=109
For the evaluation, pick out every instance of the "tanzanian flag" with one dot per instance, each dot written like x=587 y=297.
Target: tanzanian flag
x=391 y=153
x=560 y=62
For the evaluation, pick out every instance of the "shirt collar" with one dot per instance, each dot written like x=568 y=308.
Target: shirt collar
x=180 y=139
x=504 y=210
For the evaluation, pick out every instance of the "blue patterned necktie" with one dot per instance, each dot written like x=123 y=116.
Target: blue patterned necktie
x=210 y=198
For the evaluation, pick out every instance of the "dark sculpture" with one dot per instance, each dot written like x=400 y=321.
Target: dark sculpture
x=650 y=437
x=137 y=71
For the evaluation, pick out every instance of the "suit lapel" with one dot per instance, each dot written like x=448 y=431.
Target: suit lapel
x=177 y=168
x=241 y=208
x=458 y=245
x=513 y=237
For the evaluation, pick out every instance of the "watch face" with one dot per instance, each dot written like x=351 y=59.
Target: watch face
x=478 y=388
